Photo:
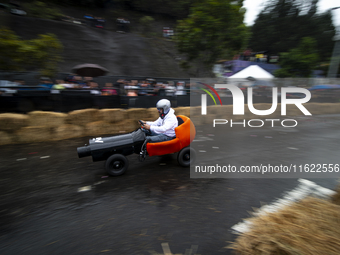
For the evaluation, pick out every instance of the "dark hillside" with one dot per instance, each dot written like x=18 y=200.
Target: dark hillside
x=121 y=54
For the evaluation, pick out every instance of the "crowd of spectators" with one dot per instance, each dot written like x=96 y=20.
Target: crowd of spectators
x=262 y=56
x=124 y=87
x=94 y=21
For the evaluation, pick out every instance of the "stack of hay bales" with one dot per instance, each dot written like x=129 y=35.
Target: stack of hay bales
x=42 y=126
x=310 y=226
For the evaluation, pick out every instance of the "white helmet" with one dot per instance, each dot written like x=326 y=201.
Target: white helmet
x=164 y=104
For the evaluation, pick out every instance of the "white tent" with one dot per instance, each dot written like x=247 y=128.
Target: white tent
x=253 y=71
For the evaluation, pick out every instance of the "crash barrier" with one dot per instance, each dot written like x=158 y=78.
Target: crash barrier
x=41 y=126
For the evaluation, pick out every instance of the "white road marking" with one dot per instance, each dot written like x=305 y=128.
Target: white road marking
x=85 y=188
x=202 y=139
x=44 y=157
x=20 y=159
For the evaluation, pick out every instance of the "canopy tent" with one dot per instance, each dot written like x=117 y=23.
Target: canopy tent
x=253 y=71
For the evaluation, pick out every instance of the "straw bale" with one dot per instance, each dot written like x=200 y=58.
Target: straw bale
x=182 y=111
x=126 y=126
x=310 y=226
x=13 y=121
x=82 y=117
x=112 y=115
x=137 y=114
x=100 y=128
x=5 y=138
x=67 y=131
x=33 y=134
x=336 y=197
x=48 y=119
x=152 y=114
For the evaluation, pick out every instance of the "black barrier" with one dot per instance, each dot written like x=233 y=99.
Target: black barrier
x=145 y=101
x=23 y=101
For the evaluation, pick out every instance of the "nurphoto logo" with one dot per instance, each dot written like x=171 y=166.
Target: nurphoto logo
x=238 y=104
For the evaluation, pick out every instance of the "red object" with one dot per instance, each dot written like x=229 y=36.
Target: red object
x=185 y=134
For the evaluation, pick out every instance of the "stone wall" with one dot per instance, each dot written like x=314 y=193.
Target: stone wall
x=40 y=126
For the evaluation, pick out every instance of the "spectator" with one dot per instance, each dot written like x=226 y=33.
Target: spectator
x=159 y=89
x=45 y=83
x=170 y=89
x=144 y=88
x=95 y=88
x=180 y=89
x=109 y=90
x=89 y=19
x=132 y=93
x=60 y=84
x=121 y=85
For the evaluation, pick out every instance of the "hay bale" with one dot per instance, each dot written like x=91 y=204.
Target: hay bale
x=126 y=126
x=293 y=110
x=137 y=114
x=336 y=197
x=33 y=134
x=13 y=121
x=112 y=115
x=82 y=117
x=47 y=119
x=67 y=131
x=263 y=106
x=310 y=226
x=182 y=111
x=152 y=114
x=100 y=128
x=5 y=138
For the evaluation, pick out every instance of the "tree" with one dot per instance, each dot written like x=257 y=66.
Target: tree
x=42 y=53
x=283 y=23
x=42 y=10
x=300 y=61
x=213 y=30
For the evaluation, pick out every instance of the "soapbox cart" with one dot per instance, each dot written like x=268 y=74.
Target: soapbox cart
x=114 y=149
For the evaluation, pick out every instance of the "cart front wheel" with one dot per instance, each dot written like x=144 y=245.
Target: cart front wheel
x=116 y=164
x=186 y=156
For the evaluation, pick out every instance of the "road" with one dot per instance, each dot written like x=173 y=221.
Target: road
x=52 y=202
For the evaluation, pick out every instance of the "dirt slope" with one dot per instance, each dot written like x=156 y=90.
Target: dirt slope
x=122 y=54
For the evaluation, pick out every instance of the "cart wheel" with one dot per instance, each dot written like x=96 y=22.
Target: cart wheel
x=116 y=164
x=186 y=156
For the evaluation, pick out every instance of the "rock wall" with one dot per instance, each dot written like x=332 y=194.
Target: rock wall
x=41 y=126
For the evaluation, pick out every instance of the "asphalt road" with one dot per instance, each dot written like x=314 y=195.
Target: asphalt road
x=52 y=202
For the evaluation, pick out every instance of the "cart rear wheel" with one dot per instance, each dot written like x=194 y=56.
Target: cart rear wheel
x=186 y=156
x=116 y=164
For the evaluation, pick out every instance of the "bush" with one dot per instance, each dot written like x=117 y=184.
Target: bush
x=42 y=53
x=146 y=22
x=42 y=10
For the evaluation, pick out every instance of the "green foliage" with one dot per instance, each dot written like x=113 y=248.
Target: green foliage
x=42 y=10
x=42 y=53
x=213 y=29
x=283 y=23
x=300 y=61
x=146 y=23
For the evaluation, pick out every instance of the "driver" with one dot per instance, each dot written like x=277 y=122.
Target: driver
x=163 y=129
